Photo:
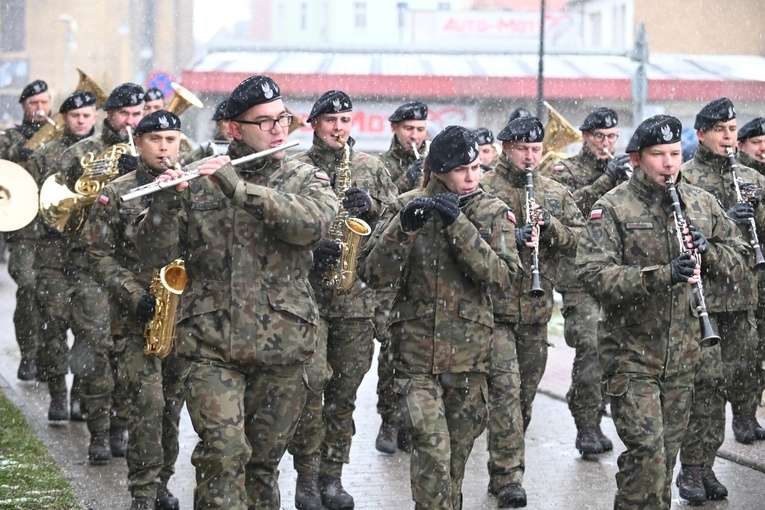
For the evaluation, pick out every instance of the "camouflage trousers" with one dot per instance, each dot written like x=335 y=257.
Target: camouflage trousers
x=58 y=315
x=155 y=388
x=387 y=400
x=760 y=318
x=585 y=398
x=650 y=415
x=531 y=346
x=505 y=438
x=741 y=366
x=22 y=267
x=245 y=415
x=445 y=414
x=350 y=348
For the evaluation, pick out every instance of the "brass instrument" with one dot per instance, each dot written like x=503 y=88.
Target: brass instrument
x=18 y=197
x=708 y=335
x=345 y=231
x=297 y=122
x=754 y=242
x=558 y=134
x=531 y=219
x=166 y=286
x=182 y=100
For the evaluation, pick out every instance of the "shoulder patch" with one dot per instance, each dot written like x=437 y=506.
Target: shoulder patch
x=596 y=214
x=559 y=167
x=103 y=199
x=322 y=175
x=511 y=216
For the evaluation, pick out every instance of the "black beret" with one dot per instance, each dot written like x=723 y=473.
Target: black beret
x=719 y=110
x=453 y=147
x=519 y=113
x=34 y=88
x=220 y=111
x=127 y=94
x=413 y=110
x=158 y=120
x=484 y=135
x=251 y=92
x=656 y=130
x=77 y=99
x=523 y=129
x=752 y=129
x=154 y=94
x=602 y=118
x=333 y=101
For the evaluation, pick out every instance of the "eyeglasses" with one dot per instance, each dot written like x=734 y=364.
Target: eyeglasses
x=602 y=136
x=269 y=124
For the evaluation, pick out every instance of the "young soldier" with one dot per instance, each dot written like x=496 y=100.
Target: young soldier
x=630 y=260
x=488 y=153
x=409 y=124
x=449 y=257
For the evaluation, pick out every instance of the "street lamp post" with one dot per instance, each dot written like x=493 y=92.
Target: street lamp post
x=70 y=46
x=541 y=69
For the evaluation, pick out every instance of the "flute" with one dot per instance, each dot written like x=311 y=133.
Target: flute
x=153 y=187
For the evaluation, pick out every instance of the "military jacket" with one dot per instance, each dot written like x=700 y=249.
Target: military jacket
x=15 y=138
x=248 y=298
x=712 y=173
x=445 y=279
x=746 y=160
x=508 y=183
x=397 y=160
x=647 y=325
x=368 y=174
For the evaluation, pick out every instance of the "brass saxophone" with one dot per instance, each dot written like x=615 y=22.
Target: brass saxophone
x=345 y=231
x=167 y=286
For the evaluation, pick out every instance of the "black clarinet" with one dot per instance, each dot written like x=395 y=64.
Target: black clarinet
x=754 y=241
x=708 y=335
x=536 y=282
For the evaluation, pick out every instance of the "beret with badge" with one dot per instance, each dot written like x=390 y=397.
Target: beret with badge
x=125 y=95
x=453 y=147
x=602 y=118
x=251 y=92
x=523 y=129
x=413 y=110
x=484 y=136
x=220 y=111
x=154 y=94
x=34 y=88
x=656 y=130
x=752 y=129
x=719 y=110
x=77 y=99
x=158 y=120
x=333 y=101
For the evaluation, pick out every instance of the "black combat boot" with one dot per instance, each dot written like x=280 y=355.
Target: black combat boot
x=99 y=451
x=712 y=486
x=404 y=440
x=118 y=441
x=165 y=499
x=386 y=437
x=77 y=410
x=307 y=495
x=690 y=484
x=759 y=432
x=511 y=495
x=142 y=503
x=333 y=496
x=587 y=441
x=604 y=441
x=27 y=368
x=743 y=429
x=58 y=410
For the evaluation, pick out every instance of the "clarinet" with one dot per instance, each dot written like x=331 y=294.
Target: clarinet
x=754 y=242
x=708 y=335
x=536 y=283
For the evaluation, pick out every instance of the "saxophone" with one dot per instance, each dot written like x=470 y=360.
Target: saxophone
x=345 y=231
x=167 y=286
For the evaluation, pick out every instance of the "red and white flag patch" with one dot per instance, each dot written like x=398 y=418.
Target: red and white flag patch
x=511 y=216
x=596 y=214
x=322 y=175
x=559 y=168
x=103 y=199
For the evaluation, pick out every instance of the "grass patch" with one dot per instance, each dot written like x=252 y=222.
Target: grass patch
x=29 y=477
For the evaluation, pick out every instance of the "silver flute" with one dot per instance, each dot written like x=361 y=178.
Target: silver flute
x=153 y=187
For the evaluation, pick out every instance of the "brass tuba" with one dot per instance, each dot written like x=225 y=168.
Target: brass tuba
x=558 y=134
x=167 y=286
x=182 y=100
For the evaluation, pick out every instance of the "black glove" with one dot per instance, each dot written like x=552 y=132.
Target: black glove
x=414 y=173
x=448 y=206
x=145 y=309
x=127 y=163
x=326 y=255
x=523 y=235
x=542 y=214
x=752 y=192
x=699 y=241
x=416 y=213
x=356 y=199
x=617 y=168
x=741 y=213
x=681 y=269
x=24 y=154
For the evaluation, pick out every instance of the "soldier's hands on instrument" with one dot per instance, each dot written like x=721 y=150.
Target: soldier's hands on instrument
x=209 y=167
x=526 y=236
x=416 y=213
x=414 y=173
x=541 y=216
x=145 y=308
x=127 y=163
x=326 y=255
x=684 y=269
x=752 y=193
x=617 y=168
x=24 y=154
x=742 y=212
x=695 y=240
x=448 y=206
x=357 y=201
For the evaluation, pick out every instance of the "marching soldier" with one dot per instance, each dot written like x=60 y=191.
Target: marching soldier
x=346 y=342
x=154 y=100
x=409 y=124
x=449 y=256
x=220 y=141
x=487 y=152
x=248 y=317
x=519 y=355
x=629 y=258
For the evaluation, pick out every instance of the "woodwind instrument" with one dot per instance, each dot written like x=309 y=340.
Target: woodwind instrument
x=708 y=335
x=629 y=169
x=754 y=241
x=536 y=281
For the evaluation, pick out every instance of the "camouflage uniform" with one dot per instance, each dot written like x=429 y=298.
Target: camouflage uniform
x=647 y=332
x=441 y=325
x=732 y=306
x=155 y=386
x=214 y=147
x=349 y=328
x=397 y=160
x=248 y=317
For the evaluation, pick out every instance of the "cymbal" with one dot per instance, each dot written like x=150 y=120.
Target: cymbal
x=18 y=197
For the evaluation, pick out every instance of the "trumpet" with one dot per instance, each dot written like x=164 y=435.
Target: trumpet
x=754 y=241
x=153 y=187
